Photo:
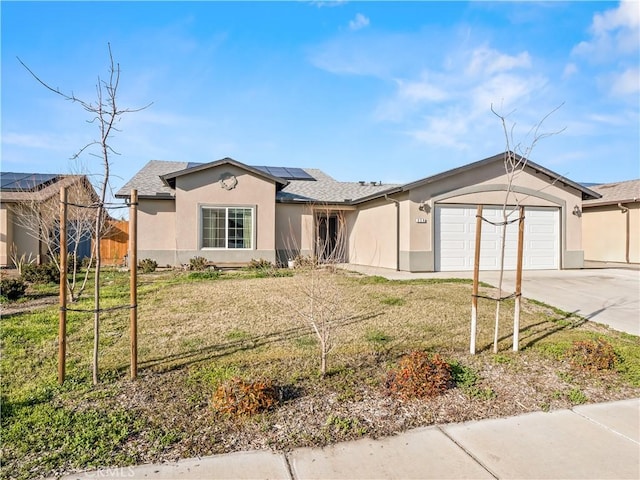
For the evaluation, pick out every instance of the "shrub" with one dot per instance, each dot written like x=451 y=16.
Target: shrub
x=238 y=397
x=592 y=355
x=45 y=273
x=419 y=376
x=12 y=288
x=147 y=265
x=198 y=263
x=260 y=264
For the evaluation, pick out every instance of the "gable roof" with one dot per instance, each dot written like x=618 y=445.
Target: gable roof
x=586 y=192
x=39 y=186
x=157 y=177
x=169 y=179
x=614 y=193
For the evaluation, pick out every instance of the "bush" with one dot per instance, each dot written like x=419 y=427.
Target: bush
x=592 y=355
x=45 y=273
x=260 y=264
x=147 y=265
x=238 y=397
x=12 y=288
x=419 y=376
x=198 y=263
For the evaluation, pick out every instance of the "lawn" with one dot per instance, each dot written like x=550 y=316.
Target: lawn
x=198 y=331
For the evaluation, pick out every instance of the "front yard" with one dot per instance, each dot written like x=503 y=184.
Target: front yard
x=196 y=333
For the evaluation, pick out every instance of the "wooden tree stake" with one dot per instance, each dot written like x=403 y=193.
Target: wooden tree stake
x=516 y=312
x=133 y=269
x=476 y=276
x=62 y=324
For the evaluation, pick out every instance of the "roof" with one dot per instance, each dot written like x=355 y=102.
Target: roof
x=148 y=182
x=614 y=193
x=586 y=193
x=322 y=188
x=157 y=177
x=326 y=189
x=170 y=178
x=34 y=187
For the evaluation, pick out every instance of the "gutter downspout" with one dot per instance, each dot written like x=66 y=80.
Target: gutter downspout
x=397 y=202
x=625 y=210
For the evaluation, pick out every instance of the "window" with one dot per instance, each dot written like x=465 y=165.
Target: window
x=227 y=227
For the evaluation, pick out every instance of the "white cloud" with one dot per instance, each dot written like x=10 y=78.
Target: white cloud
x=488 y=61
x=419 y=91
x=569 y=70
x=360 y=21
x=614 y=33
x=626 y=83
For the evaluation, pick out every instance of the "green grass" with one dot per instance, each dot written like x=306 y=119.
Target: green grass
x=195 y=333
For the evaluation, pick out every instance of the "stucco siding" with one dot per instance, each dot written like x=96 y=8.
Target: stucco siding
x=373 y=238
x=203 y=188
x=156 y=225
x=6 y=236
x=605 y=233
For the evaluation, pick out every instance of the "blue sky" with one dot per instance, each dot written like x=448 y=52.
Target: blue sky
x=389 y=91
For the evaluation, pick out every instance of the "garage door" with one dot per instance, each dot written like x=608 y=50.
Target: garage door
x=455 y=230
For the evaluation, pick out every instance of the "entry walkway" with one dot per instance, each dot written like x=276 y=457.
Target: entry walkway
x=596 y=441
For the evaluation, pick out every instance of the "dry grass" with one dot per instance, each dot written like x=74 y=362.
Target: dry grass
x=193 y=335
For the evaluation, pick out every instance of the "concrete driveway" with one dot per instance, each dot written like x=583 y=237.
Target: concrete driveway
x=610 y=296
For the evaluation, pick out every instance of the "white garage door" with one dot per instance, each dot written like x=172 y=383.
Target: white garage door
x=455 y=230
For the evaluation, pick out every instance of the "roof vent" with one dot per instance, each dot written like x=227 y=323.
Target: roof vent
x=362 y=182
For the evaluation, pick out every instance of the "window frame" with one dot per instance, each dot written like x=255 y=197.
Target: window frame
x=226 y=208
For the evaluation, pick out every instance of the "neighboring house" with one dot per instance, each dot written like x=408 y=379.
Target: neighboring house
x=230 y=213
x=29 y=213
x=611 y=224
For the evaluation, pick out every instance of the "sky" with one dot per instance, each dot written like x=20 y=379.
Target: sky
x=374 y=91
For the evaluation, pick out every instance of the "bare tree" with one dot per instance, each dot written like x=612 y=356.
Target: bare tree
x=105 y=113
x=516 y=156
x=38 y=217
x=319 y=299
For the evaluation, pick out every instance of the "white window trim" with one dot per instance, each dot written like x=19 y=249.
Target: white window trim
x=204 y=206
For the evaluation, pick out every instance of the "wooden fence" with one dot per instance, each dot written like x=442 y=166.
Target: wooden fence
x=114 y=246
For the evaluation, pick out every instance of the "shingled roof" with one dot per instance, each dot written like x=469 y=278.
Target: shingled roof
x=322 y=188
x=614 y=193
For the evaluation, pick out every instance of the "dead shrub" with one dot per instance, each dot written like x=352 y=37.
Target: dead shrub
x=239 y=397
x=592 y=355
x=419 y=376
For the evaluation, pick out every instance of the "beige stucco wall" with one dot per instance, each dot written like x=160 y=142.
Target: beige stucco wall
x=294 y=230
x=604 y=233
x=203 y=188
x=373 y=239
x=485 y=185
x=6 y=235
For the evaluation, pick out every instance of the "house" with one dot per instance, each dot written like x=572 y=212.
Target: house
x=230 y=213
x=29 y=214
x=611 y=224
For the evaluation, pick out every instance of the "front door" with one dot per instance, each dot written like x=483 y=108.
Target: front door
x=329 y=246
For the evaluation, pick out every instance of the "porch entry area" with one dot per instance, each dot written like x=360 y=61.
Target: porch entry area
x=330 y=236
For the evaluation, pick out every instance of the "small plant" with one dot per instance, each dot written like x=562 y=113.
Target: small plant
x=198 y=264
x=205 y=275
x=45 y=273
x=419 y=376
x=576 y=396
x=377 y=337
x=12 y=288
x=238 y=397
x=147 y=265
x=397 y=301
x=593 y=355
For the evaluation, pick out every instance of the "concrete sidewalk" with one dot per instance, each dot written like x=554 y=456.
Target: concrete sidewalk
x=587 y=442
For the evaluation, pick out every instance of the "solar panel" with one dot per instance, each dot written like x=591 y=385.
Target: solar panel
x=287 y=173
x=25 y=182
